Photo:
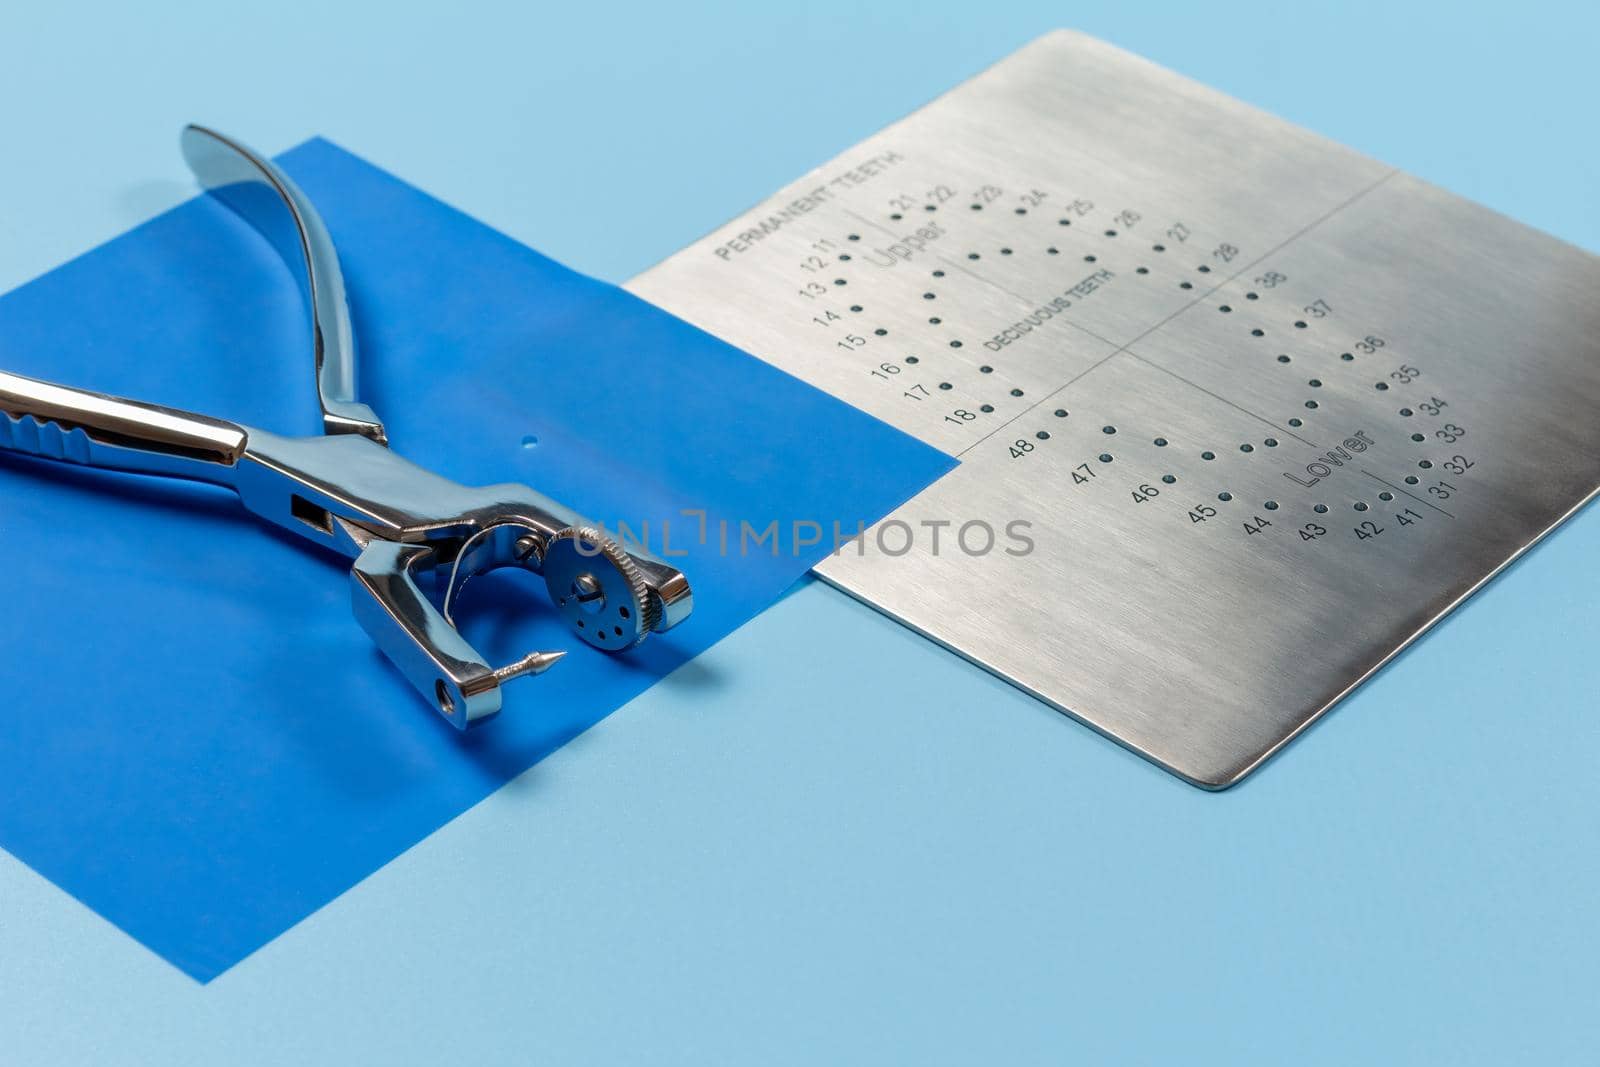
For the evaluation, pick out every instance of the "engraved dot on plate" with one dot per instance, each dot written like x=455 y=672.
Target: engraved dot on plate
x=1064 y=222
x=853 y=237
x=1169 y=479
x=855 y=307
x=1022 y=211
x=1108 y=429
x=1016 y=392
x=973 y=255
x=1381 y=386
x=1043 y=435
x=1111 y=233
x=896 y=216
x=986 y=369
x=1406 y=412
x=927 y=296
x=945 y=385
x=844 y=257
x=977 y=207
x=1299 y=325
x=1296 y=422
x=1161 y=442
x=1271 y=442
x=986 y=408
x=881 y=332
x=1208 y=455
x=1412 y=479
x=1320 y=509
x=1386 y=495
x=1224 y=496
x=1061 y=413
x=1005 y=251
x=1283 y=359
x=1347 y=357
x=1315 y=383
x=955 y=344
x=935 y=320
x=1271 y=505
x=1185 y=285
x=1251 y=296
x=1158 y=248
x=1426 y=464
x=1361 y=505
x=1418 y=437
x=1312 y=404
x=1247 y=447
x=1105 y=457
x=838 y=281
x=1224 y=308
x=1258 y=332
x=1054 y=251
x=1088 y=259
x=911 y=359
x=938 y=274
x=1141 y=270
x=1203 y=269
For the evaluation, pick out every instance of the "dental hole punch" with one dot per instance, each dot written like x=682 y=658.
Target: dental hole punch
x=407 y=528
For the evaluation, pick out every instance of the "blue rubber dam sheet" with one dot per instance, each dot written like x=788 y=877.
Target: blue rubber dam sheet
x=200 y=742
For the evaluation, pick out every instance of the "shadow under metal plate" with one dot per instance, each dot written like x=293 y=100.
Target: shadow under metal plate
x=1270 y=407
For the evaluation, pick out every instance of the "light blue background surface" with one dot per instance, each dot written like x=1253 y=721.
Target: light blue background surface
x=862 y=849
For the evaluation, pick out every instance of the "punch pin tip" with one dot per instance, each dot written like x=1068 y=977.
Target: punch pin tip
x=532 y=663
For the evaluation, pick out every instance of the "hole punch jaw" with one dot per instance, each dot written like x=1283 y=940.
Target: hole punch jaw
x=420 y=640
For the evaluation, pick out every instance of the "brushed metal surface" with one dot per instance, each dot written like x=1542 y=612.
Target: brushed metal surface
x=1144 y=315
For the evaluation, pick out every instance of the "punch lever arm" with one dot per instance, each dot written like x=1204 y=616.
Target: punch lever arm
x=79 y=426
x=259 y=192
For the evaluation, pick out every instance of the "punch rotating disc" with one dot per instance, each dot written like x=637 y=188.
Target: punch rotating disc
x=598 y=589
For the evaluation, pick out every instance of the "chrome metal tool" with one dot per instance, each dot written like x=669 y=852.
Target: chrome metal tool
x=416 y=537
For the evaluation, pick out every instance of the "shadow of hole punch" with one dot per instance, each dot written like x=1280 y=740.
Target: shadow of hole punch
x=696 y=677
x=160 y=494
x=190 y=500
x=493 y=612
x=144 y=199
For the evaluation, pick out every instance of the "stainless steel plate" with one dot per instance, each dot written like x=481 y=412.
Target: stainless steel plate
x=1269 y=407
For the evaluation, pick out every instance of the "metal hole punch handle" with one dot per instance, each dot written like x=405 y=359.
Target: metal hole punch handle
x=267 y=198
x=79 y=426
